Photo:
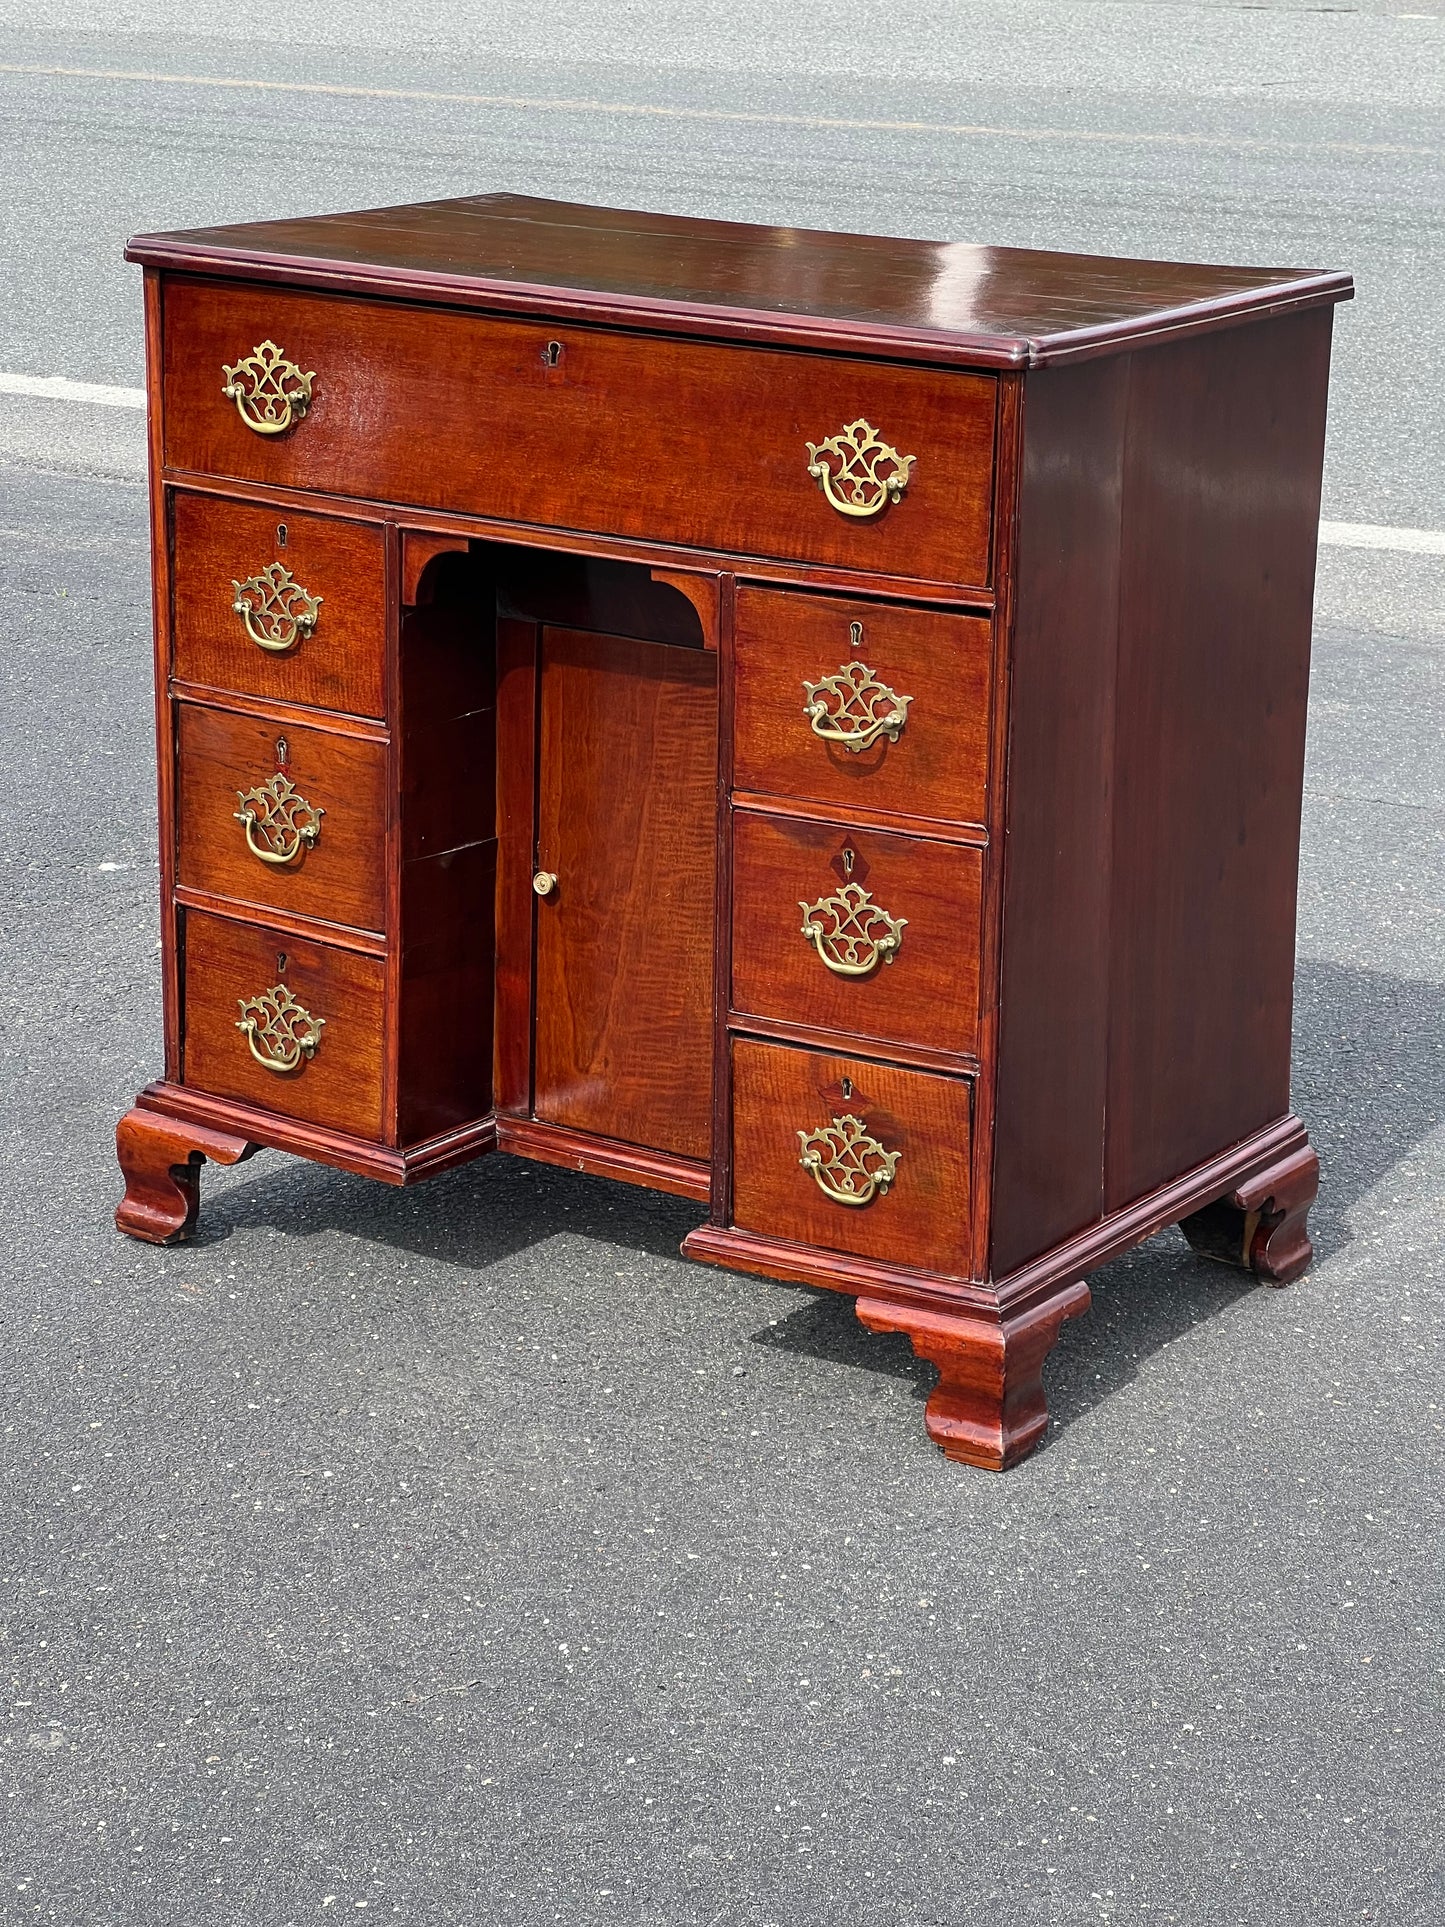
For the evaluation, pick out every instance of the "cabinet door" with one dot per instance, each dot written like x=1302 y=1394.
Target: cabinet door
x=626 y=808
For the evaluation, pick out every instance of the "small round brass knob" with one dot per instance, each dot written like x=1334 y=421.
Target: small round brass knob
x=544 y=883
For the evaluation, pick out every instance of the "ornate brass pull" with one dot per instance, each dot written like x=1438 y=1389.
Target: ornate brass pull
x=275 y=610
x=849 y=1166
x=280 y=1031
x=859 y=473
x=852 y=707
x=280 y=824
x=269 y=391
x=850 y=932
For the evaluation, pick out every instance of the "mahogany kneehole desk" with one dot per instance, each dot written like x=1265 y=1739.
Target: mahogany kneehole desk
x=810 y=723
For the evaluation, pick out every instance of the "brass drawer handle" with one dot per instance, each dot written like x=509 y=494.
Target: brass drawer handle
x=850 y=932
x=853 y=707
x=275 y=611
x=269 y=391
x=859 y=473
x=849 y=1166
x=280 y=824
x=279 y=1030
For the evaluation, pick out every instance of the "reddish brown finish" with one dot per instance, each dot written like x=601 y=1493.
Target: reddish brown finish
x=948 y=301
x=1261 y=1225
x=220 y=543
x=926 y=996
x=1053 y=1017
x=939 y=765
x=923 y=1220
x=514 y=919
x=987 y=1408
x=1216 y=595
x=529 y=1137
x=161 y=1161
x=362 y=1156
x=342 y=877
x=1089 y=820
x=627 y=775
x=442 y=949
x=448 y=410
x=418 y=552
x=340 y=1087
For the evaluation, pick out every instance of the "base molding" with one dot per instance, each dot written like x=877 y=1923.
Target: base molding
x=1241 y=1169
x=359 y=1155
x=604 y=1157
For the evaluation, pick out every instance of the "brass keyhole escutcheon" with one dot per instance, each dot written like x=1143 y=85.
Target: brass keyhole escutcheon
x=544 y=883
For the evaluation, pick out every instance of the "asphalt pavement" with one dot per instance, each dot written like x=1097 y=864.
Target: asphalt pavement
x=460 y=1554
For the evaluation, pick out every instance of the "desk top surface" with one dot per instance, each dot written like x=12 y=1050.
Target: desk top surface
x=947 y=301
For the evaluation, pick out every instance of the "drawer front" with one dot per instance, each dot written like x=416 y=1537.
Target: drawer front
x=290 y=818
x=667 y=440
x=312 y=627
x=898 y=1140
x=233 y=974
x=864 y=703
x=858 y=931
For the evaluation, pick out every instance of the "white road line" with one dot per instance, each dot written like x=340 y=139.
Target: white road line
x=1371 y=535
x=61 y=388
x=546 y=104
x=1335 y=535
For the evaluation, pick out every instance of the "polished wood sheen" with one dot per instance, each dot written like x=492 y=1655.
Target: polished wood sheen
x=937 y=767
x=947 y=300
x=778 y=1092
x=456 y=411
x=341 y=878
x=219 y=543
x=927 y=995
x=628 y=759
x=567 y=710
x=225 y=963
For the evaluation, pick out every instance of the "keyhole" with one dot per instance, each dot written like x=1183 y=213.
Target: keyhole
x=552 y=353
x=280 y=963
x=280 y=535
x=847 y=1090
x=855 y=634
x=283 y=750
x=847 y=863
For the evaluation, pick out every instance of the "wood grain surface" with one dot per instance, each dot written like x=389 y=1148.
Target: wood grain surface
x=922 y=1220
x=340 y=1086
x=219 y=542
x=460 y=411
x=342 y=877
x=627 y=823
x=939 y=765
x=990 y=305
x=927 y=995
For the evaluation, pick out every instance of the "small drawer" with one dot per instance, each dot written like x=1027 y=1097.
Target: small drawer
x=887 y=1156
x=315 y=1046
x=871 y=704
x=855 y=930
x=282 y=816
x=856 y=464
x=284 y=606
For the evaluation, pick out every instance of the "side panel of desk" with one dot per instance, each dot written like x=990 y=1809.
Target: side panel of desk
x=1169 y=514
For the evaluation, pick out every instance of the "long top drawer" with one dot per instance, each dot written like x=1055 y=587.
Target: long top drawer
x=676 y=441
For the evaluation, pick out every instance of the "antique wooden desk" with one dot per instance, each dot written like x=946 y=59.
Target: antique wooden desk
x=807 y=722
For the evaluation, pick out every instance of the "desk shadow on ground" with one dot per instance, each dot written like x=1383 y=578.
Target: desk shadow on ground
x=1369 y=1083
